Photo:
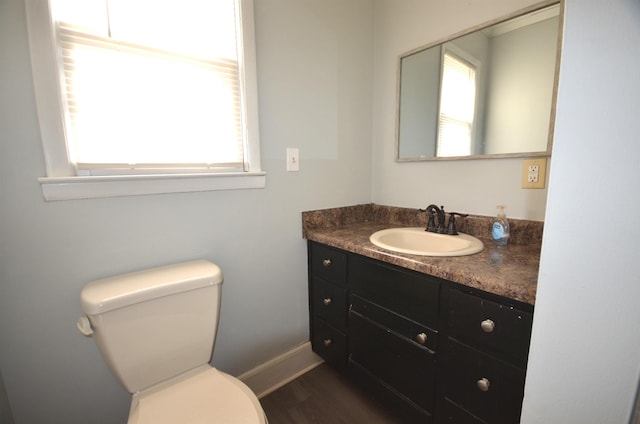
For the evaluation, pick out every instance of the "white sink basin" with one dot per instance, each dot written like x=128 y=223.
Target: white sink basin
x=417 y=241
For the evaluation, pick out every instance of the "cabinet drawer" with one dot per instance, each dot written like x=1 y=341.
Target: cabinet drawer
x=403 y=365
x=329 y=343
x=453 y=414
x=396 y=289
x=330 y=303
x=499 y=329
x=409 y=329
x=481 y=384
x=328 y=263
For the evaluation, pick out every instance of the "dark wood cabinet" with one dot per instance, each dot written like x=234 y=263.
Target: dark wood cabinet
x=440 y=352
x=393 y=329
x=328 y=303
x=485 y=345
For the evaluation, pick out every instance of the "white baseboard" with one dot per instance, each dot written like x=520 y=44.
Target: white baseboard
x=280 y=370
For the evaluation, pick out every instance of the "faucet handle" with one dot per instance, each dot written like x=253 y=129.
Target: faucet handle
x=451 y=227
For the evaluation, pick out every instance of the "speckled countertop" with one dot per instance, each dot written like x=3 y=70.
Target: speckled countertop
x=510 y=271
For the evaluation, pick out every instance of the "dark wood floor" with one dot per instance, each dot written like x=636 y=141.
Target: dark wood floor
x=323 y=396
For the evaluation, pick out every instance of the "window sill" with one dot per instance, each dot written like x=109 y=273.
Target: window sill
x=93 y=187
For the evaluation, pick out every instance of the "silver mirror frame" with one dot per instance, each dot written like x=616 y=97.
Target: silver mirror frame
x=515 y=14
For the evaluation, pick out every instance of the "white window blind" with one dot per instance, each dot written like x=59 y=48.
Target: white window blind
x=151 y=86
x=457 y=106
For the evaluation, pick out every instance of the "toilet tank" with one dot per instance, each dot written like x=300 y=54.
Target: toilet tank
x=155 y=324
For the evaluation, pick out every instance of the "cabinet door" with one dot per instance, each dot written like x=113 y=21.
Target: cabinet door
x=485 y=386
x=499 y=329
x=401 y=364
x=413 y=295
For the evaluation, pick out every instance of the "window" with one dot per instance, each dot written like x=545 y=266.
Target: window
x=141 y=96
x=457 y=105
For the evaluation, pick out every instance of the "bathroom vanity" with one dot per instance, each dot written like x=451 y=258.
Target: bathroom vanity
x=444 y=340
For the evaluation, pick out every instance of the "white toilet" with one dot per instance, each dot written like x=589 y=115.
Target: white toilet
x=156 y=330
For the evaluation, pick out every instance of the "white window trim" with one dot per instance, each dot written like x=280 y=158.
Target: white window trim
x=61 y=183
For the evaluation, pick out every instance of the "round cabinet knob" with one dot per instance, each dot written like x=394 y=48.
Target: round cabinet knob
x=326 y=263
x=327 y=342
x=421 y=338
x=483 y=384
x=487 y=325
x=327 y=301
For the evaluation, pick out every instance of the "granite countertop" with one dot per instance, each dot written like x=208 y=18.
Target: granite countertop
x=510 y=271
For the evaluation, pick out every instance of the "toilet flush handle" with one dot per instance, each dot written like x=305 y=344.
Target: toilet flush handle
x=84 y=326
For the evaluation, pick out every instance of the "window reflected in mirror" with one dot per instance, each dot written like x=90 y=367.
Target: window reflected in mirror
x=457 y=104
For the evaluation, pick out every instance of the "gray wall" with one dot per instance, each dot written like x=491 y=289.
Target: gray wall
x=6 y=417
x=315 y=77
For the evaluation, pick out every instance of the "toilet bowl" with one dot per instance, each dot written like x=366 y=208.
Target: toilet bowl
x=203 y=396
x=155 y=330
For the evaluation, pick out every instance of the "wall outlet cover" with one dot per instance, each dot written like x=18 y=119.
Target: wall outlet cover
x=534 y=173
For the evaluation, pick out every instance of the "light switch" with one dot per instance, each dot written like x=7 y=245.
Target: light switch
x=293 y=159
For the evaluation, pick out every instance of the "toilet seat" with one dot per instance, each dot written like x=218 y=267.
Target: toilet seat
x=204 y=396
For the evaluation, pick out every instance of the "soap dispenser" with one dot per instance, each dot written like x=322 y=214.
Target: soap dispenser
x=500 y=228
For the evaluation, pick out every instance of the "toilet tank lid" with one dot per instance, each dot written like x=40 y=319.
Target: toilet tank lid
x=116 y=292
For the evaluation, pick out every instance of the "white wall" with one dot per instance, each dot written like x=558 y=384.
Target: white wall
x=467 y=186
x=315 y=78
x=585 y=351
x=523 y=64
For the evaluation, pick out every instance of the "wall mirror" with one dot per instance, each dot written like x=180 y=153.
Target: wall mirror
x=486 y=92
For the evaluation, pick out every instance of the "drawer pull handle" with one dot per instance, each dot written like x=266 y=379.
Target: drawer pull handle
x=487 y=325
x=326 y=263
x=327 y=301
x=421 y=338
x=327 y=342
x=483 y=384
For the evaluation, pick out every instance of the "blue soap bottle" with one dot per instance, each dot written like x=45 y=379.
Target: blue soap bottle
x=500 y=228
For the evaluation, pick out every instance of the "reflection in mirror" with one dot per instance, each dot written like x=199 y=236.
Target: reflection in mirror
x=488 y=93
